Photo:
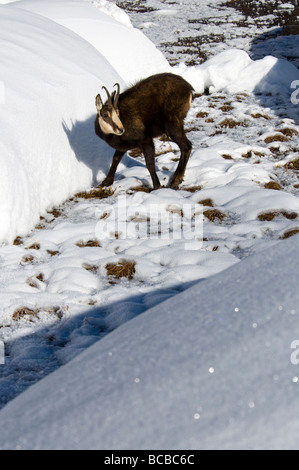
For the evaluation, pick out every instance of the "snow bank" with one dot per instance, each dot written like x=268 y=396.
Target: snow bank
x=233 y=71
x=50 y=76
x=42 y=81
x=125 y=48
x=200 y=371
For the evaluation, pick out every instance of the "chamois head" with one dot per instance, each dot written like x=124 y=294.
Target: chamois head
x=108 y=113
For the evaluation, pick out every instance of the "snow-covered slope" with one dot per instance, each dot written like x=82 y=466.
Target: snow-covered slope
x=109 y=31
x=49 y=78
x=210 y=368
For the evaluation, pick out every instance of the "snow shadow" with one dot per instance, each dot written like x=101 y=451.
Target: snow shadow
x=278 y=90
x=281 y=42
x=88 y=148
x=32 y=357
x=279 y=87
x=94 y=152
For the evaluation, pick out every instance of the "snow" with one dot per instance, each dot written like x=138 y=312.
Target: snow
x=219 y=233
x=26 y=193
x=234 y=72
x=208 y=369
x=39 y=168
x=133 y=56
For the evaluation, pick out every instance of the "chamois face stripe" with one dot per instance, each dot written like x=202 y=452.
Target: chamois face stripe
x=111 y=124
x=117 y=122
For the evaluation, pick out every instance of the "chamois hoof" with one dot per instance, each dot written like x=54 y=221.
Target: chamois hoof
x=175 y=185
x=106 y=183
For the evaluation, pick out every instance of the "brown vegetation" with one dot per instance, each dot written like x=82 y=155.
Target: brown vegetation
x=121 y=269
x=89 y=243
x=96 y=193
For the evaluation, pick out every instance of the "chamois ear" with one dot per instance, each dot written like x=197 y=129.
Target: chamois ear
x=99 y=103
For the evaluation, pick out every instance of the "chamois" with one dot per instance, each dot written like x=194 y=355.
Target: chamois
x=155 y=106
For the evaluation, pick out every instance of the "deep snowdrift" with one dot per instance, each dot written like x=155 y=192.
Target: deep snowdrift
x=131 y=54
x=210 y=368
x=50 y=76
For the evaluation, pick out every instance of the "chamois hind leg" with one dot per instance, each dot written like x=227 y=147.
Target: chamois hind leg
x=149 y=154
x=177 y=134
x=108 y=181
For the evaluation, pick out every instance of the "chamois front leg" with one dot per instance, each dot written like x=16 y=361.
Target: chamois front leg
x=177 y=134
x=108 y=181
x=149 y=155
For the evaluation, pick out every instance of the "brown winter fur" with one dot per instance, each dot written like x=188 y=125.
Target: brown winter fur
x=155 y=106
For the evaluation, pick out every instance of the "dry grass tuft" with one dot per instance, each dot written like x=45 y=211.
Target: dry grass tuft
x=207 y=202
x=55 y=212
x=121 y=269
x=34 y=246
x=52 y=252
x=30 y=315
x=276 y=138
x=105 y=215
x=27 y=259
x=214 y=215
x=175 y=210
x=269 y=216
x=96 y=193
x=226 y=108
x=259 y=116
x=32 y=281
x=227 y=157
x=293 y=165
x=18 y=241
x=141 y=188
x=273 y=185
x=290 y=215
x=289 y=132
x=24 y=312
x=192 y=189
x=289 y=233
x=231 y=123
x=202 y=114
x=89 y=243
x=90 y=267
x=135 y=153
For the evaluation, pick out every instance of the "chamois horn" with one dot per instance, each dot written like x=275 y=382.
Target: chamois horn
x=108 y=95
